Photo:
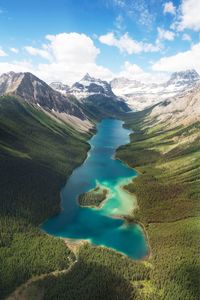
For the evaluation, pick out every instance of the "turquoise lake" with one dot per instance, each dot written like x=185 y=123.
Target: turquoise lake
x=101 y=226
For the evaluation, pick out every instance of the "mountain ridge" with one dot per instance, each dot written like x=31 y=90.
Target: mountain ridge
x=139 y=95
x=36 y=91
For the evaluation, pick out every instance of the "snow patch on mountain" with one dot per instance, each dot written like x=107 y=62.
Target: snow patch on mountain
x=140 y=95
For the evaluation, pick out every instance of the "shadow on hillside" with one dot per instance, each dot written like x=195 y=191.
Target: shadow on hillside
x=88 y=282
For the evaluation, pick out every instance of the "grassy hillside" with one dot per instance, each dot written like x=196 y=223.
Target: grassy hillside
x=37 y=154
x=101 y=107
x=168 y=197
x=168 y=193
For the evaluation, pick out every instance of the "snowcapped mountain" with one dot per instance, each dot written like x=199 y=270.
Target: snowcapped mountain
x=183 y=109
x=60 y=101
x=139 y=95
x=97 y=97
x=36 y=92
x=60 y=87
x=88 y=86
x=183 y=78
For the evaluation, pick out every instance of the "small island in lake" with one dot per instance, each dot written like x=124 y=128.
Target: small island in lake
x=94 y=197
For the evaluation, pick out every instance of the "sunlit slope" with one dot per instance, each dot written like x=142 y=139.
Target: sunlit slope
x=37 y=154
x=168 y=194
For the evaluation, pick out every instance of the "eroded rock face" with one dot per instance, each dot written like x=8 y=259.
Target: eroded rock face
x=183 y=78
x=60 y=87
x=98 y=97
x=183 y=109
x=88 y=86
x=37 y=92
x=140 y=95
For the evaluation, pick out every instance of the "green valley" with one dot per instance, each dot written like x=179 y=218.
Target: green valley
x=168 y=194
x=37 y=154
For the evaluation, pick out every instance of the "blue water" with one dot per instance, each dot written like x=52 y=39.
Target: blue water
x=101 y=226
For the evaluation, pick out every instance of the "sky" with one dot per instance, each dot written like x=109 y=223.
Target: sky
x=64 y=39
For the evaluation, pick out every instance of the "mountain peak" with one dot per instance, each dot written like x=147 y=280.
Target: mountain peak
x=88 y=86
x=35 y=91
x=189 y=75
x=87 y=77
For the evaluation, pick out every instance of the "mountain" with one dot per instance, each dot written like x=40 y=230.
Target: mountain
x=60 y=87
x=36 y=92
x=37 y=154
x=183 y=109
x=183 y=78
x=139 y=95
x=88 y=86
x=165 y=148
x=97 y=97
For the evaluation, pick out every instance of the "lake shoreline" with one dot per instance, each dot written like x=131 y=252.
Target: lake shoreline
x=110 y=134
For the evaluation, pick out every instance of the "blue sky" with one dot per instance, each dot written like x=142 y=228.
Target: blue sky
x=63 y=39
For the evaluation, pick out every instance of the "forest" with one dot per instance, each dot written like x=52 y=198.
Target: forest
x=93 y=198
x=37 y=154
x=167 y=191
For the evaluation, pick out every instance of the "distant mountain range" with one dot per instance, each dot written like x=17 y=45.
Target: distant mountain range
x=88 y=86
x=183 y=109
x=60 y=101
x=139 y=95
x=95 y=94
x=36 y=91
x=92 y=99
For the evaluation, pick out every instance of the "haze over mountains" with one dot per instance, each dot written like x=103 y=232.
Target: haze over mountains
x=36 y=140
x=92 y=98
x=136 y=94
x=140 y=95
x=95 y=94
x=62 y=105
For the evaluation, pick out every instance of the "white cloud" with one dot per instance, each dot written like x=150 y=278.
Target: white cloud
x=73 y=55
x=186 y=37
x=189 y=15
x=134 y=72
x=119 y=22
x=131 y=70
x=139 y=11
x=14 y=50
x=169 y=8
x=181 y=61
x=16 y=66
x=127 y=44
x=165 y=35
x=67 y=47
x=2 y=53
x=70 y=56
x=120 y=3
x=38 y=52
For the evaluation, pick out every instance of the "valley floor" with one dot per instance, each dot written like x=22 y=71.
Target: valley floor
x=168 y=194
x=168 y=197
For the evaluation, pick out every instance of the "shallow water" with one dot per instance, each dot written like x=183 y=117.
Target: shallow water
x=100 y=226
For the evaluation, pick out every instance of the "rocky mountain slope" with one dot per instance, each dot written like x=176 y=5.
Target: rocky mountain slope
x=38 y=93
x=88 y=86
x=97 y=96
x=139 y=95
x=183 y=109
x=37 y=155
x=165 y=148
x=60 y=87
